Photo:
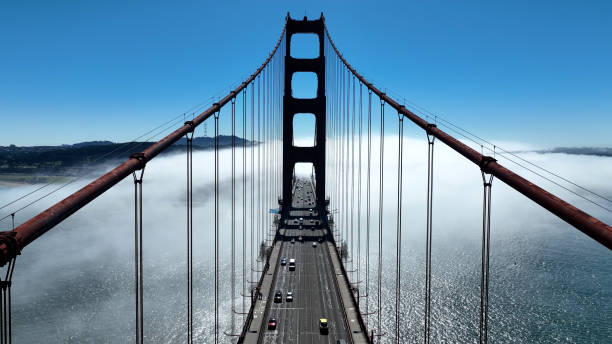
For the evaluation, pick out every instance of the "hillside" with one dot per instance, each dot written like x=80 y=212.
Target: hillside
x=67 y=160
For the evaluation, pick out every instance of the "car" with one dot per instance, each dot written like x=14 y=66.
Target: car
x=293 y=241
x=323 y=326
x=284 y=261
x=341 y=341
x=314 y=244
x=320 y=239
x=272 y=324
x=300 y=238
x=278 y=296
x=289 y=297
x=292 y=264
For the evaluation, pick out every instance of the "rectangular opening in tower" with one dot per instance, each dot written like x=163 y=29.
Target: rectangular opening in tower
x=304 y=130
x=304 y=46
x=305 y=171
x=304 y=85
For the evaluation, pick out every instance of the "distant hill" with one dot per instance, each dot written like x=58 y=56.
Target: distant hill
x=70 y=159
x=596 y=151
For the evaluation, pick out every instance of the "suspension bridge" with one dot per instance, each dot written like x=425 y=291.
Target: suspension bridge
x=297 y=277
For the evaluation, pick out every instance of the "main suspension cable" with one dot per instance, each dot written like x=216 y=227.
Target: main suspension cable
x=464 y=132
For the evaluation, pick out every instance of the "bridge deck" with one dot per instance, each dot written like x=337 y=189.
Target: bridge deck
x=314 y=291
x=318 y=285
x=312 y=283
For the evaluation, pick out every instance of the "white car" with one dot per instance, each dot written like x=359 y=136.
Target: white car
x=289 y=297
x=314 y=244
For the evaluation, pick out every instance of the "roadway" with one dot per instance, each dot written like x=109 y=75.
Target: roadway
x=312 y=283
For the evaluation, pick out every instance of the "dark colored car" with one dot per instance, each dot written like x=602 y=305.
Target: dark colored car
x=272 y=324
x=278 y=296
x=323 y=327
x=284 y=261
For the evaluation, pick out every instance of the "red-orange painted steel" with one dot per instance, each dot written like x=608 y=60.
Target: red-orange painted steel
x=584 y=222
x=41 y=223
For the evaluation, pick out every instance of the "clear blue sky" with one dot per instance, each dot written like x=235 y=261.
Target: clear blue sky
x=530 y=71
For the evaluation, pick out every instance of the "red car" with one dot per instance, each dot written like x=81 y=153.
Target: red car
x=272 y=324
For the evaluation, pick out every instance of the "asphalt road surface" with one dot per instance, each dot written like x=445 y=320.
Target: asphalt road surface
x=315 y=294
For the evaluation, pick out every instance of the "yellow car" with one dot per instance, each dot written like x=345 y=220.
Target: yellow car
x=323 y=327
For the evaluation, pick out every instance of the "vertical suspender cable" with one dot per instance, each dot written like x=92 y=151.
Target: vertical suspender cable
x=359 y=187
x=353 y=181
x=138 y=247
x=340 y=209
x=368 y=210
x=252 y=237
x=267 y=159
x=233 y=248
x=270 y=152
x=342 y=174
x=430 y=157
x=259 y=212
x=340 y=155
x=336 y=155
x=487 y=181
x=346 y=188
x=6 y=300
x=380 y=210
x=216 y=227
x=398 y=271
x=189 y=140
x=244 y=196
x=264 y=160
x=6 y=335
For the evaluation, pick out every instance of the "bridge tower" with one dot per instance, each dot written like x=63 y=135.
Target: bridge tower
x=293 y=106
